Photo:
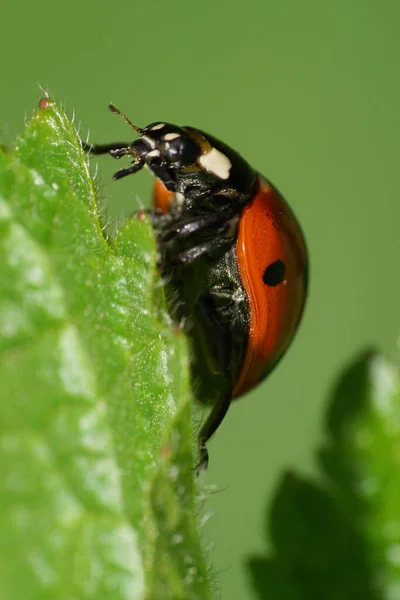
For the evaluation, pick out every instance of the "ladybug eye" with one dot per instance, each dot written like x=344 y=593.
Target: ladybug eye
x=274 y=274
x=179 y=150
x=174 y=146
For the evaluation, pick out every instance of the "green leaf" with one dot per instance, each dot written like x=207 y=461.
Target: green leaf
x=96 y=462
x=339 y=539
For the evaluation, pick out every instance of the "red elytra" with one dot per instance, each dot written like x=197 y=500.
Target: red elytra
x=268 y=231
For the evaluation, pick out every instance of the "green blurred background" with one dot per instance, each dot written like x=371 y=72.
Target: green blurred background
x=309 y=93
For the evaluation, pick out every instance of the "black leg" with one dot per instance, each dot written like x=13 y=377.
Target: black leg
x=117 y=150
x=210 y=230
x=191 y=255
x=217 y=343
x=139 y=164
x=120 y=152
x=183 y=228
x=214 y=420
x=104 y=148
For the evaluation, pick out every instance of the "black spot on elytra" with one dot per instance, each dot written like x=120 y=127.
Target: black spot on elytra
x=274 y=273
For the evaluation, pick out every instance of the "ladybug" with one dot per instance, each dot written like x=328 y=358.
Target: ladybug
x=232 y=255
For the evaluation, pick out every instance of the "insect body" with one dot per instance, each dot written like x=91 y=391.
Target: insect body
x=232 y=254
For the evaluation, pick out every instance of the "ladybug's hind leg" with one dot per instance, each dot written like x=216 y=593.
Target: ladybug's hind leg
x=214 y=420
x=219 y=355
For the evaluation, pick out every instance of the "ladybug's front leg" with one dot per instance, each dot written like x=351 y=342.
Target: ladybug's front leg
x=98 y=149
x=117 y=150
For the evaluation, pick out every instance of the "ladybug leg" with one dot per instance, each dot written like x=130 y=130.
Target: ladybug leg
x=214 y=420
x=137 y=166
x=186 y=227
x=216 y=241
x=117 y=150
x=104 y=148
x=220 y=351
x=190 y=255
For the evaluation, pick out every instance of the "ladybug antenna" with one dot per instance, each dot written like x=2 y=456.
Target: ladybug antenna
x=115 y=110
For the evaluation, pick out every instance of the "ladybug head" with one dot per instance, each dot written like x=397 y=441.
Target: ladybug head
x=177 y=154
x=167 y=145
x=161 y=145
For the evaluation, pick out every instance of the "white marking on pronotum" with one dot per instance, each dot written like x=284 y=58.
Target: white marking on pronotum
x=216 y=162
x=158 y=126
x=170 y=136
x=154 y=153
x=148 y=141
